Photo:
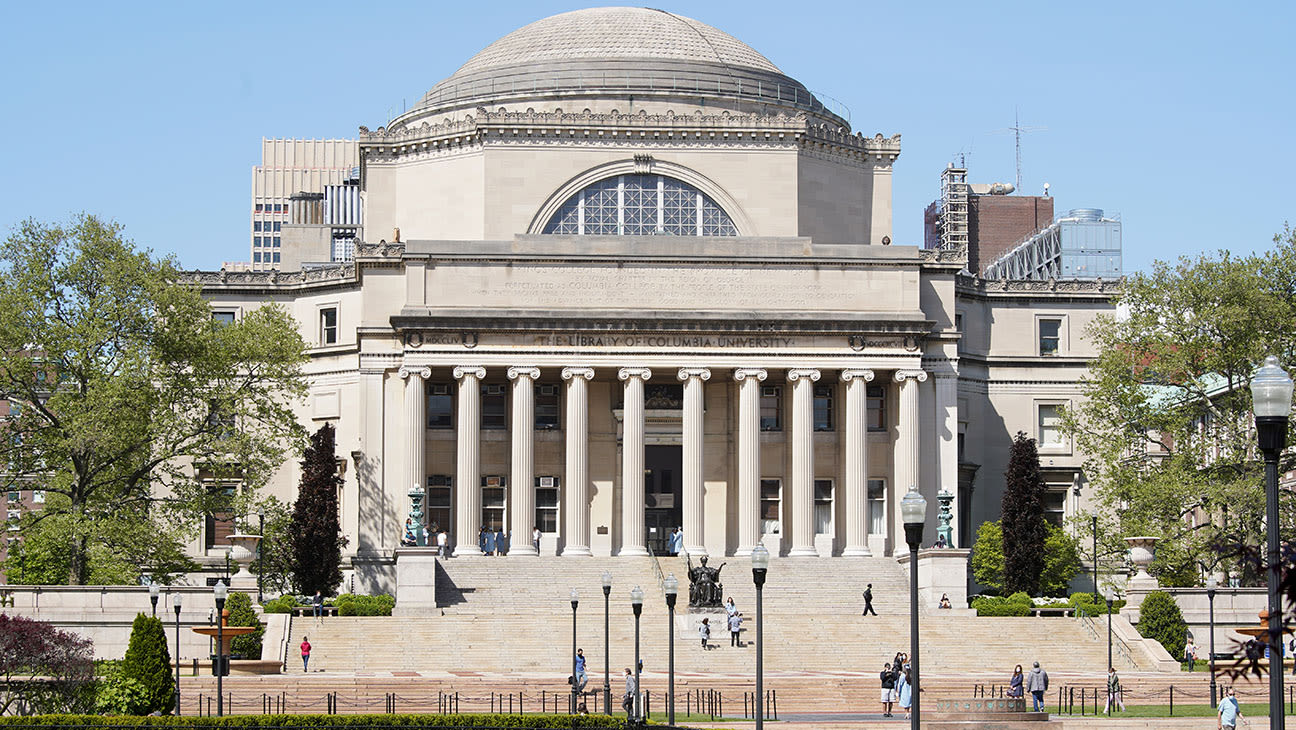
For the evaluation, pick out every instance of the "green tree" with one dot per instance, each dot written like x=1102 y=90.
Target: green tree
x=1023 y=525
x=128 y=398
x=317 y=539
x=1061 y=560
x=1166 y=417
x=1161 y=619
x=275 y=562
x=241 y=613
x=148 y=662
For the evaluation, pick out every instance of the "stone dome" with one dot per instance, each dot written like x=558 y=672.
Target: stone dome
x=619 y=52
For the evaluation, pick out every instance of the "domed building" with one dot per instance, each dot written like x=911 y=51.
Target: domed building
x=619 y=275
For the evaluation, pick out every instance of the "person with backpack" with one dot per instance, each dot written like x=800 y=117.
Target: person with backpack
x=1113 y=691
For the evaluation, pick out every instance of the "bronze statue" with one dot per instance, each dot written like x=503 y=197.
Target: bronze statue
x=705 y=588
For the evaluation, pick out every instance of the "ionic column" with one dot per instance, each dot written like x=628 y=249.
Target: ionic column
x=577 y=478
x=694 y=494
x=468 y=460
x=633 y=540
x=523 y=461
x=749 y=380
x=906 y=456
x=856 y=461
x=416 y=424
x=802 y=462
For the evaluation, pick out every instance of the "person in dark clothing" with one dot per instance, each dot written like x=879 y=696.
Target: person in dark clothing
x=888 y=678
x=868 y=601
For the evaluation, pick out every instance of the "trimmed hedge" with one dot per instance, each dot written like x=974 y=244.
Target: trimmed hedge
x=349 y=604
x=1018 y=604
x=591 y=722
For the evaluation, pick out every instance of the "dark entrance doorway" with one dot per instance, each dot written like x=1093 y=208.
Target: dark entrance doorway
x=663 y=468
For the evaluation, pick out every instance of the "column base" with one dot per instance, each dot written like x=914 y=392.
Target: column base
x=522 y=552
x=696 y=551
x=474 y=552
x=744 y=551
x=803 y=552
x=579 y=551
x=857 y=552
x=633 y=551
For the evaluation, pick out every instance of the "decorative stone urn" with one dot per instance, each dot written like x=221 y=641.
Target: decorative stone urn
x=244 y=548
x=1141 y=554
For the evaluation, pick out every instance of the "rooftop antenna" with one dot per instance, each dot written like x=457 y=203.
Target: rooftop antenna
x=1018 y=130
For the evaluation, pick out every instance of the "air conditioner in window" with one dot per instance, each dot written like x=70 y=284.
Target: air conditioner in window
x=493 y=481
x=546 y=481
x=439 y=480
x=770 y=391
x=440 y=389
x=548 y=390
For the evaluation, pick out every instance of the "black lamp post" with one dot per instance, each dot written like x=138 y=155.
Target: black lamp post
x=760 y=566
x=260 y=551
x=671 y=586
x=154 y=591
x=1211 y=584
x=1271 y=397
x=1110 y=595
x=913 y=509
x=221 y=590
x=575 y=599
x=1093 y=516
x=175 y=603
x=636 y=602
x=607 y=684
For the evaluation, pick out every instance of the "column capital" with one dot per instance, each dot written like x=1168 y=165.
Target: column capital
x=523 y=371
x=903 y=375
x=465 y=371
x=862 y=373
x=741 y=374
x=421 y=371
x=627 y=373
x=796 y=374
x=578 y=372
x=686 y=373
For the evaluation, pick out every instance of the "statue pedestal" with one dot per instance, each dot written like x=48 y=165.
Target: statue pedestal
x=416 y=582
x=688 y=621
x=942 y=571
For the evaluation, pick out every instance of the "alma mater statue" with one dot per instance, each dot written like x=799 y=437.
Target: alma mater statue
x=705 y=588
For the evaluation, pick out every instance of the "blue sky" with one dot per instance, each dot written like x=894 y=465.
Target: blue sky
x=1179 y=116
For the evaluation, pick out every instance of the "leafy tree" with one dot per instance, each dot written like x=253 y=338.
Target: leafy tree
x=275 y=563
x=1166 y=417
x=241 y=613
x=1023 y=525
x=62 y=661
x=1161 y=619
x=125 y=389
x=148 y=662
x=317 y=539
x=1061 y=560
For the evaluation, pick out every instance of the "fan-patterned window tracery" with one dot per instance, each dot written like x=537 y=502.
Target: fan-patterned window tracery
x=641 y=205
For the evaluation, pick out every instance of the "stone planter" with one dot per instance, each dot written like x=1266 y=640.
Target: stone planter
x=1141 y=553
x=241 y=553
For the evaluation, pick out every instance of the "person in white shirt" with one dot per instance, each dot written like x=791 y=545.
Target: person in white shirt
x=442 y=541
x=535 y=539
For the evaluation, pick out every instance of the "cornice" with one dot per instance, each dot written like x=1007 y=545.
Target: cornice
x=313 y=278
x=971 y=285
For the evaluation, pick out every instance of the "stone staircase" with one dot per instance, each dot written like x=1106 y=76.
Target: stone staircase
x=514 y=615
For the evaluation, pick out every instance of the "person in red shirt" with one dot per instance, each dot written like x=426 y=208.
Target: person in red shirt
x=305 y=649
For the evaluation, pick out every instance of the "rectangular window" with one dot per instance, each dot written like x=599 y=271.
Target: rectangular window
x=1050 y=426
x=438 y=501
x=276 y=256
x=15 y=496
x=38 y=496
x=546 y=407
x=258 y=207
x=440 y=406
x=219 y=524
x=493 y=503
x=223 y=317
x=276 y=245
x=771 y=408
x=276 y=230
x=877 y=507
x=958 y=322
x=256 y=241
x=771 y=499
x=256 y=257
x=823 y=408
x=823 y=506
x=877 y=408
x=1050 y=331
x=256 y=228
x=328 y=334
x=546 y=501
x=494 y=407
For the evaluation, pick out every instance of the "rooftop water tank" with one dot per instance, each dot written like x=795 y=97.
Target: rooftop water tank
x=1085 y=214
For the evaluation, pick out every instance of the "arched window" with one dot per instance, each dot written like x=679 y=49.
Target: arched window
x=641 y=205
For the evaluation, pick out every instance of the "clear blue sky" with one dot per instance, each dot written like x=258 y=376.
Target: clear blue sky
x=1179 y=116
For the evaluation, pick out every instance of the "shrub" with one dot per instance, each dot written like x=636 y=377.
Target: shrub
x=118 y=695
x=282 y=604
x=349 y=604
x=587 y=722
x=1161 y=619
x=247 y=646
x=149 y=662
x=1095 y=605
x=999 y=606
x=1061 y=559
x=988 y=557
x=62 y=660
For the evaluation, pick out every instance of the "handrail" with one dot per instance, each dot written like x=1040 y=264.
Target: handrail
x=657 y=573
x=1122 y=648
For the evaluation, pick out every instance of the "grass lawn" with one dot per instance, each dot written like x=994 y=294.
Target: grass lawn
x=1249 y=709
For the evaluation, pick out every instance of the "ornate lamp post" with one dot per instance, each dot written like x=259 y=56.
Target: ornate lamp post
x=1110 y=595
x=575 y=599
x=154 y=591
x=636 y=602
x=760 y=566
x=607 y=685
x=671 y=586
x=1211 y=585
x=175 y=603
x=221 y=591
x=913 y=509
x=1271 y=396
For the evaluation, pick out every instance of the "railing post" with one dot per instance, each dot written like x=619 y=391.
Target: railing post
x=1172 y=700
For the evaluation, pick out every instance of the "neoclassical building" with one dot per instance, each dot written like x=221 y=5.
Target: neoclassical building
x=620 y=274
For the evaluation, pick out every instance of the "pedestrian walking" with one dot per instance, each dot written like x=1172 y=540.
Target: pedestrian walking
x=628 y=697
x=1113 y=691
x=535 y=539
x=488 y=541
x=1015 y=682
x=499 y=542
x=888 y=678
x=1037 y=684
x=443 y=542
x=305 y=652
x=904 y=692
x=704 y=629
x=581 y=678
x=730 y=608
x=1229 y=711
x=1291 y=649
x=735 y=626
x=1190 y=654
x=868 y=601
